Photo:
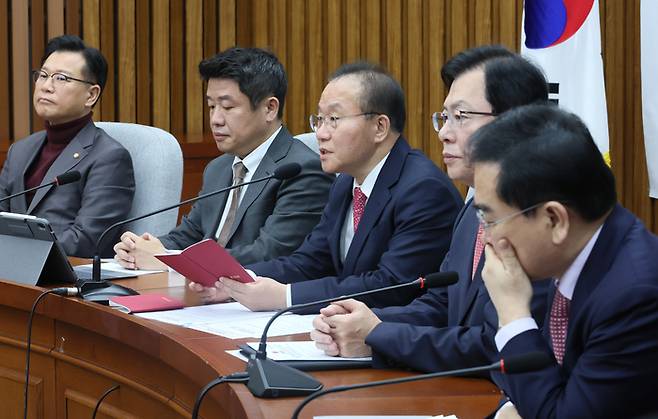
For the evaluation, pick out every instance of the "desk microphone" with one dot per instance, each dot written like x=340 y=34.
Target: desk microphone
x=527 y=362
x=63 y=179
x=282 y=172
x=270 y=379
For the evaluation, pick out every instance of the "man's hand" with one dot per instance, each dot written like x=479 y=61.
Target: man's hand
x=262 y=295
x=508 y=411
x=508 y=285
x=209 y=295
x=321 y=333
x=350 y=322
x=136 y=252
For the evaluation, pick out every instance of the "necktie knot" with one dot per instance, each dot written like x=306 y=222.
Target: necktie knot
x=359 y=204
x=239 y=172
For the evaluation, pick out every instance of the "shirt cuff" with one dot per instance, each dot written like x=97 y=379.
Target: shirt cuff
x=288 y=295
x=251 y=273
x=512 y=329
x=503 y=407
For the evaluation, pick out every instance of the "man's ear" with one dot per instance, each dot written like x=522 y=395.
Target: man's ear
x=93 y=93
x=271 y=108
x=557 y=217
x=382 y=127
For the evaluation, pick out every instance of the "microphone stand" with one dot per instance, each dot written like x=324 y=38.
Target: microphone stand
x=96 y=263
x=531 y=361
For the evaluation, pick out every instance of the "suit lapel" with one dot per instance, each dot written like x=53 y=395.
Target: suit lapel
x=599 y=261
x=468 y=289
x=277 y=150
x=377 y=201
x=67 y=160
x=29 y=160
x=342 y=191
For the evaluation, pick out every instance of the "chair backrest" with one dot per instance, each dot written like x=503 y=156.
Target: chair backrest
x=309 y=140
x=158 y=165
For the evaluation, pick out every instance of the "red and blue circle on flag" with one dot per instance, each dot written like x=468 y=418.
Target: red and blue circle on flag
x=551 y=22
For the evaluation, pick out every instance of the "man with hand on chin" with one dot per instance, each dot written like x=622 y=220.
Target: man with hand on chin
x=547 y=202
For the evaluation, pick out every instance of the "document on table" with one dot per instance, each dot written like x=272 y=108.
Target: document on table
x=233 y=320
x=296 y=351
x=112 y=269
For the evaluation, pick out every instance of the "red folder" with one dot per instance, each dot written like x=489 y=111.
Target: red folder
x=145 y=302
x=205 y=262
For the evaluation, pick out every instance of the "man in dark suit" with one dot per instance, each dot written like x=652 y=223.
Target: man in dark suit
x=547 y=201
x=66 y=88
x=246 y=93
x=390 y=212
x=445 y=328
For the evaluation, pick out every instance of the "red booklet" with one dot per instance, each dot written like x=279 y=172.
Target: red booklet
x=145 y=302
x=205 y=262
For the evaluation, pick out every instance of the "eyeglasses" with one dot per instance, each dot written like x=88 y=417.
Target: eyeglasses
x=439 y=119
x=488 y=224
x=317 y=121
x=59 y=79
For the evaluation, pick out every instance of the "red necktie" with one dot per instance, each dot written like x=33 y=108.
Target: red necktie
x=359 y=204
x=559 y=321
x=478 y=249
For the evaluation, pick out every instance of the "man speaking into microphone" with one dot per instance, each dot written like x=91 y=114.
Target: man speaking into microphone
x=66 y=88
x=246 y=90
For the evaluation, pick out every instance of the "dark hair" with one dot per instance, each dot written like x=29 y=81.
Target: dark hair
x=257 y=72
x=380 y=92
x=510 y=80
x=546 y=154
x=95 y=64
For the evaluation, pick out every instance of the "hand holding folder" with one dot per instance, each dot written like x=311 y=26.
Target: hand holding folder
x=205 y=262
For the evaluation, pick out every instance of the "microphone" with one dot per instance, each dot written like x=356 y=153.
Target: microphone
x=63 y=179
x=531 y=361
x=270 y=379
x=282 y=172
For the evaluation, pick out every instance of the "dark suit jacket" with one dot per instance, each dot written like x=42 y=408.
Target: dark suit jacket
x=445 y=328
x=273 y=217
x=611 y=354
x=404 y=230
x=80 y=211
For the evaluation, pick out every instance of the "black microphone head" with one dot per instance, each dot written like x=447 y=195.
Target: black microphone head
x=287 y=171
x=527 y=362
x=440 y=279
x=68 y=177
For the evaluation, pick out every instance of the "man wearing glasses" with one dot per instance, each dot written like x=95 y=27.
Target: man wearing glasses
x=602 y=328
x=389 y=215
x=66 y=88
x=445 y=328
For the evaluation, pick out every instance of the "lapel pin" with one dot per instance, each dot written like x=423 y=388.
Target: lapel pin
x=76 y=155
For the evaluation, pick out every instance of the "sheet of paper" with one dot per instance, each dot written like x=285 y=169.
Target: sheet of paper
x=232 y=320
x=300 y=351
x=112 y=266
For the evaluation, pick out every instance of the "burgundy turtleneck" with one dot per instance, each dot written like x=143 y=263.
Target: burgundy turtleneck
x=57 y=138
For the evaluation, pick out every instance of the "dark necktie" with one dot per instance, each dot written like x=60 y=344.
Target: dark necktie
x=239 y=172
x=359 y=204
x=558 y=323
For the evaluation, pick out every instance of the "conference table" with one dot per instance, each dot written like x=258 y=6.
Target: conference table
x=81 y=349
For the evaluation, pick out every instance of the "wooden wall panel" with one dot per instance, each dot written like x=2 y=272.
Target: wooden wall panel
x=154 y=46
x=5 y=78
x=20 y=68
